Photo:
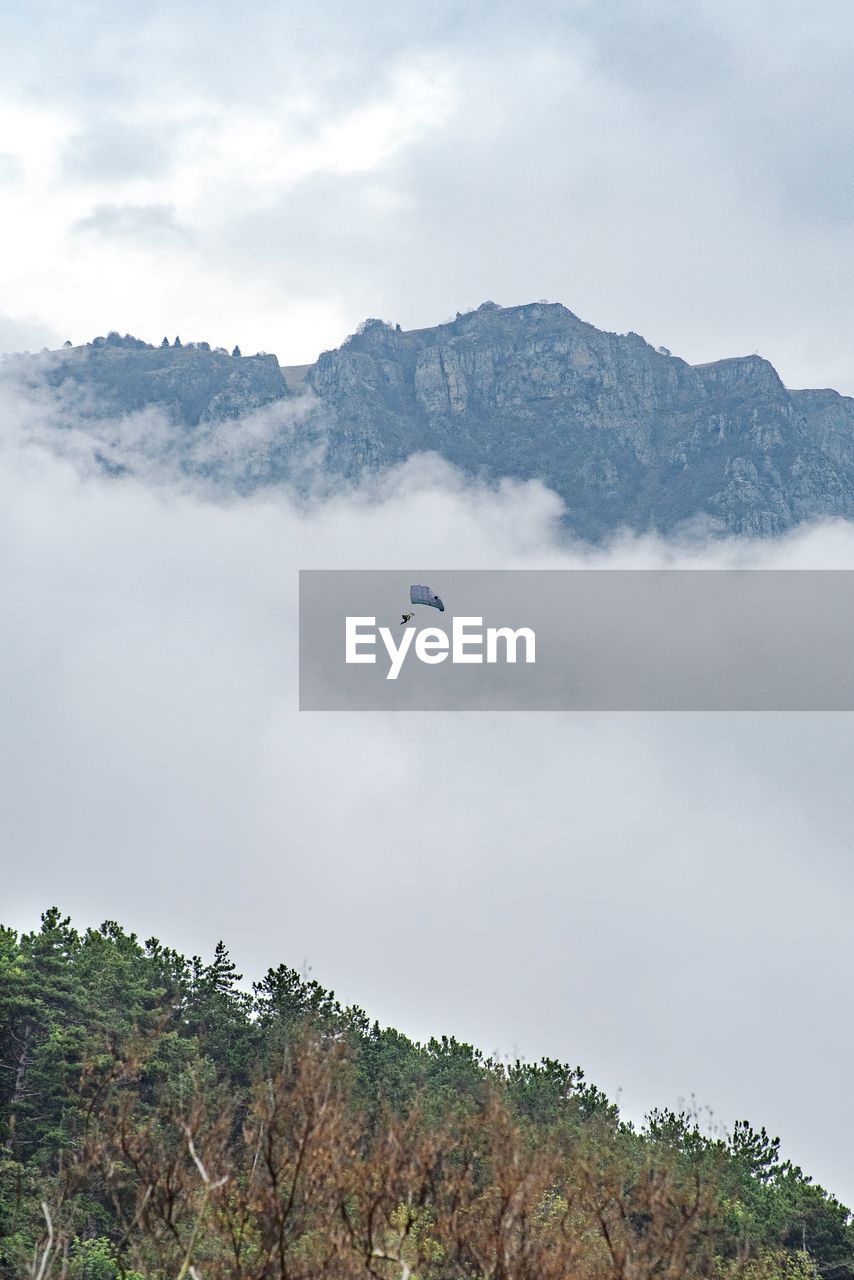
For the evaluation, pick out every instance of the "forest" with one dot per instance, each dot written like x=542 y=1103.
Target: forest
x=160 y=1118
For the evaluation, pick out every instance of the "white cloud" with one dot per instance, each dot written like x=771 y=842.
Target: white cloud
x=295 y=140
x=140 y=224
x=677 y=171
x=26 y=333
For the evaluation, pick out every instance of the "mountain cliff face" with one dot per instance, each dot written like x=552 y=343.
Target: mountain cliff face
x=629 y=436
x=190 y=384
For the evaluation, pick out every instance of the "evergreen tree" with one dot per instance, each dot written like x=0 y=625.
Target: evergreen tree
x=100 y=1030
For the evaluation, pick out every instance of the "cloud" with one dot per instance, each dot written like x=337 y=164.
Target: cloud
x=141 y=224
x=26 y=333
x=11 y=167
x=665 y=899
x=113 y=151
x=682 y=171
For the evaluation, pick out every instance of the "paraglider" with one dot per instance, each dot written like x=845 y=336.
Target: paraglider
x=423 y=595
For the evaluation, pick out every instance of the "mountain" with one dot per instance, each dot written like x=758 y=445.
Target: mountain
x=192 y=384
x=628 y=435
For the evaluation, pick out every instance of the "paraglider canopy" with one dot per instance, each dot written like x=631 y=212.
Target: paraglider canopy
x=423 y=595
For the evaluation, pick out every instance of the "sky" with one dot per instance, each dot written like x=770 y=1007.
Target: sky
x=273 y=175
x=665 y=900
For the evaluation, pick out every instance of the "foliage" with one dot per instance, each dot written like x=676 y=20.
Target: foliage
x=159 y=1119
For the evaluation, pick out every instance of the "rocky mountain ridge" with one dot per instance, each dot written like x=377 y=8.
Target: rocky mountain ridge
x=628 y=435
x=191 y=383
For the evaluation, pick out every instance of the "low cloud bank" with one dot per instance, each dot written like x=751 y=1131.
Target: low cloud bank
x=664 y=899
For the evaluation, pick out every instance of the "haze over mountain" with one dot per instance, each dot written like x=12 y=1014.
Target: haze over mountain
x=628 y=435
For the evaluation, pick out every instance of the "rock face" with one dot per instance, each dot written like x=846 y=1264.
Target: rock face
x=627 y=435
x=190 y=384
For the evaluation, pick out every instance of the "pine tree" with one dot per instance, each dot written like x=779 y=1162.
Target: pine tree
x=47 y=1039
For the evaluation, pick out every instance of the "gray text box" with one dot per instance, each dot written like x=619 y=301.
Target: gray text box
x=608 y=640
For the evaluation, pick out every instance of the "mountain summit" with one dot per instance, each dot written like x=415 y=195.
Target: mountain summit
x=628 y=435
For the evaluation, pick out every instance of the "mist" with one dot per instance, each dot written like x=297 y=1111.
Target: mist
x=664 y=899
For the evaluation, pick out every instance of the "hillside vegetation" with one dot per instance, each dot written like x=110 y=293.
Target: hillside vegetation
x=159 y=1120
